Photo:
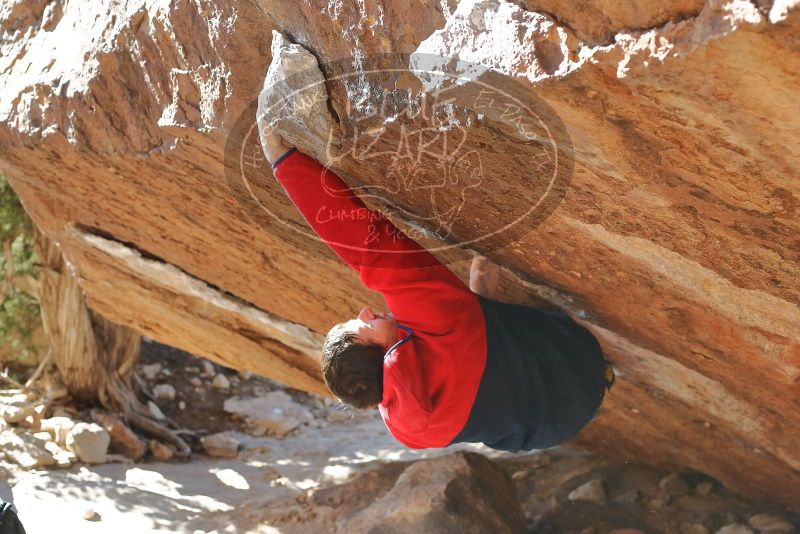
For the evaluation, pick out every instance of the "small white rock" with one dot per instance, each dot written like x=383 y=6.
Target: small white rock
x=592 y=491
x=164 y=392
x=150 y=371
x=181 y=405
x=772 y=524
x=519 y=475
x=15 y=414
x=245 y=375
x=89 y=442
x=734 y=528
x=44 y=437
x=221 y=445
x=221 y=382
x=208 y=369
x=58 y=427
x=90 y=515
x=63 y=457
x=195 y=381
x=16 y=399
x=155 y=411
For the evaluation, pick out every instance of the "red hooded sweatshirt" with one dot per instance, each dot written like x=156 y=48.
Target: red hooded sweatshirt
x=429 y=382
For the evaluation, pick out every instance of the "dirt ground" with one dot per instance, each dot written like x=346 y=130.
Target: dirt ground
x=205 y=493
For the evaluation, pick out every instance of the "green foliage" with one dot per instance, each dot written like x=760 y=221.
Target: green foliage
x=19 y=312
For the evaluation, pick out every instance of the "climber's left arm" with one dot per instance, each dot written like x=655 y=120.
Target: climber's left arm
x=421 y=292
x=274 y=145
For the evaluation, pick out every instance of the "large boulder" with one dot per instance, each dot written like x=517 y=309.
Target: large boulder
x=460 y=492
x=669 y=225
x=463 y=492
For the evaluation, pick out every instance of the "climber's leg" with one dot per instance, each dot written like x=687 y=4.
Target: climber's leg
x=9 y=522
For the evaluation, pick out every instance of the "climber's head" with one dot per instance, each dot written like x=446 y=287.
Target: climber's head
x=352 y=358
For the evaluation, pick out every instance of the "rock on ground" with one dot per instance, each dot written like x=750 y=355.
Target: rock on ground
x=63 y=457
x=150 y=371
x=592 y=491
x=123 y=440
x=734 y=528
x=462 y=492
x=25 y=450
x=161 y=452
x=208 y=369
x=91 y=515
x=221 y=445
x=767 y=523
x=15 y=408
x=89 y=442
x=274 y=411
x=221 y=382
x=155 y=411
x=58 y=427
x=164 y=392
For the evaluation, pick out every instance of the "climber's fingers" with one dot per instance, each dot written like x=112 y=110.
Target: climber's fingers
x=482 y=263
x=272 y=143
x=484 y=276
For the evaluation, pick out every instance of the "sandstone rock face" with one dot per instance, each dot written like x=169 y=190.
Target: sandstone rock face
x=294 y=99
x=670 y=225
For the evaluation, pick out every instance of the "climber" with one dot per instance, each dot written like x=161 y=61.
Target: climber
x=448 y=364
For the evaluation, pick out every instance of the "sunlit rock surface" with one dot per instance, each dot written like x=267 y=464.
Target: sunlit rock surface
x=671 y=228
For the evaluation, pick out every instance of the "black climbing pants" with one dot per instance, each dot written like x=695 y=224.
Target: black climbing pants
x=9 y=522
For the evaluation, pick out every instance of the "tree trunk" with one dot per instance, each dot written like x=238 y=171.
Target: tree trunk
x=95 y=357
